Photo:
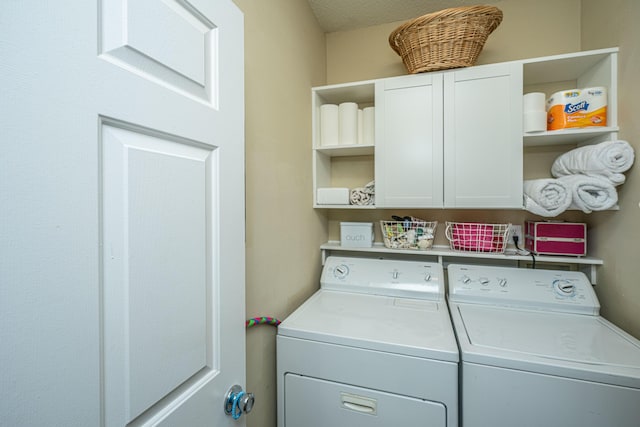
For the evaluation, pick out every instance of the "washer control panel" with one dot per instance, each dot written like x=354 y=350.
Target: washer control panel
x=564 y=291
x=410 y=279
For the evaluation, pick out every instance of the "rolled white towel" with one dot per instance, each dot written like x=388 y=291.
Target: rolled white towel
x=590 y=193
x=546 y=197
x=360 y=198
x=363 y=196
x=608 y=160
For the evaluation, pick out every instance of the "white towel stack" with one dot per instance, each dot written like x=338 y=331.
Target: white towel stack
x=585 y=179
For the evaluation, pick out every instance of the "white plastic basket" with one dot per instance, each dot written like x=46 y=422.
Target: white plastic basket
x=477 y=237
x=412 y=233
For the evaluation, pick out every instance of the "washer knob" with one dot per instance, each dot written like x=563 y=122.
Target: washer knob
x=341 y=271
x=564 y=287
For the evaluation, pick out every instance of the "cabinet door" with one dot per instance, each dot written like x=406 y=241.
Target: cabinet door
x=408 y=151
x=483 y=137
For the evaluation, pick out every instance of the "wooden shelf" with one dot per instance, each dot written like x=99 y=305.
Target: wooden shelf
x=444 y=255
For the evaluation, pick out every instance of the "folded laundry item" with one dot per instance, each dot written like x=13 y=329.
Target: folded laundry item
x=590 y=193
x=363 y=196
x=546 y=197
x=607 y=160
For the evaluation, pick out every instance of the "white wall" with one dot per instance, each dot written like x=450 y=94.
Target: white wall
x=615 y=236
x=284 y=58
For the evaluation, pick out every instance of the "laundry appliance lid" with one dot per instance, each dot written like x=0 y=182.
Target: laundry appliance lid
x=589 y=347
x=407 y=326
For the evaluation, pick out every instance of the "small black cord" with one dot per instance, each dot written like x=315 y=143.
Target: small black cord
x=533 y=257
x=515 y=241
x=534 y=260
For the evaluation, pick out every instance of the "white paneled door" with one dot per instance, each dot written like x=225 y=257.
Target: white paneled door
x=121 y=212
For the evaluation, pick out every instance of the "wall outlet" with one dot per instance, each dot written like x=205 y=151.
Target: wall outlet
x=516 y=230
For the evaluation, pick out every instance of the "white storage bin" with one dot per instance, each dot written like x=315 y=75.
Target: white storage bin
x=333 y=196
x=356 y=234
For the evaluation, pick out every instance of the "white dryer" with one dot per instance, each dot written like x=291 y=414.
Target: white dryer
x=535 y=352
x=373 y=347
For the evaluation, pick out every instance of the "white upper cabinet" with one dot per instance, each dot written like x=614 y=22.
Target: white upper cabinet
x=450 y=139
x=408 y=152
x=483 y=137
x=455 y=138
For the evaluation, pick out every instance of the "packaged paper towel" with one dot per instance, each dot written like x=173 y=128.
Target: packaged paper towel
x=577 y=108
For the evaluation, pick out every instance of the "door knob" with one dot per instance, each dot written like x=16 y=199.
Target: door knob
x=237 y=402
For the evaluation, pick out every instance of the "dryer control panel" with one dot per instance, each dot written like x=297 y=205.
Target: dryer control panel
x=409 y=279
x=552 y=290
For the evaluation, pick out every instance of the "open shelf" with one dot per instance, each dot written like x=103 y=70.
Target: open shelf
x=567 y=136
x=565 y=66
x=344 y=206
x=346 y=150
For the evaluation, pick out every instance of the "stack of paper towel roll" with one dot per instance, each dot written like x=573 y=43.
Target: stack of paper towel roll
x=535 y=114
x=346 y=124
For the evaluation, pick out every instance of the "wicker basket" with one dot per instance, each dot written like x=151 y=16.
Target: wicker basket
x=412 y=233
x=477 y=237
x=450 y=38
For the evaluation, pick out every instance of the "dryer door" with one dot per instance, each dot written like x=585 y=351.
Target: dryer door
x=311 y=402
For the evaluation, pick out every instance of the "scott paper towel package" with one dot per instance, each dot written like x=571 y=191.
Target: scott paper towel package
x=577 y=108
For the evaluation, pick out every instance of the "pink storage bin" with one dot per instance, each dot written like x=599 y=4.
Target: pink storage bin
x=556 y=238
x=477 y=237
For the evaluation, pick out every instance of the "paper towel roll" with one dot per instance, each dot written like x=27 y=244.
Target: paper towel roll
x=534 y=121
x=534 y=101
x=329 y=128
x=368 y=125
x=360 y=127
x=348 y=123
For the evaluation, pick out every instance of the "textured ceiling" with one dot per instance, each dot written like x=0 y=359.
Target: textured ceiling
x=341 y=15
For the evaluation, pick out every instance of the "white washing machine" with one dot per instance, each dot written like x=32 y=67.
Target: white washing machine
x=373 y=347
x=535 y=352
